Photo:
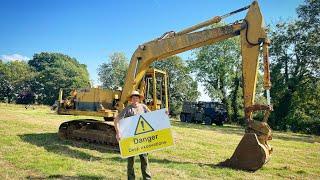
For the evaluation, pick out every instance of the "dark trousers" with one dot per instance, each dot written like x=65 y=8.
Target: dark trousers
x=144 y=167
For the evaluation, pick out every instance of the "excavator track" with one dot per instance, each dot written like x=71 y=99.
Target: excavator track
x=89 y=130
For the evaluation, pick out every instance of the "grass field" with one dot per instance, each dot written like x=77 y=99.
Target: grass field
x=30 y=149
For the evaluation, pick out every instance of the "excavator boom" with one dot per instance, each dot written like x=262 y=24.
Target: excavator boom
x=162 y=48
x=253 y=150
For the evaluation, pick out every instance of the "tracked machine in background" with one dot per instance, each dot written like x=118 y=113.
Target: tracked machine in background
x=253 y=150
x=203 y=112
x=101 y=102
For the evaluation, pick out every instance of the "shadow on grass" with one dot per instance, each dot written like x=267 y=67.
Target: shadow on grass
x=58 y=176
x=296 y=137
x=172 y=162
x=227 y=129
x=52 y=143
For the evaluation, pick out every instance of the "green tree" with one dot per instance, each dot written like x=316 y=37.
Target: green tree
x=6 y=90
x=55 y=71
x=181 y=85
x=236 y=97
x=112 y=74
x=5 y=86
x=13 y=76
x=295 y=53
x=217 y=67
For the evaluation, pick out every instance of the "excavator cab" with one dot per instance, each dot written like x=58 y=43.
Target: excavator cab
x=155 y=89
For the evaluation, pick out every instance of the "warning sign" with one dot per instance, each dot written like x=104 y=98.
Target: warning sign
x=143 y=126
x=144 y=133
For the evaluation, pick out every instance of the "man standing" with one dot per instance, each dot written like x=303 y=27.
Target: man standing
x=133 y=109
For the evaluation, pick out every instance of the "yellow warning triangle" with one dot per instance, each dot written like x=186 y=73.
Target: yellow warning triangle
x=143 y=126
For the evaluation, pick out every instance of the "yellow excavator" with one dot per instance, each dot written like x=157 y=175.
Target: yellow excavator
x=102 y=102
x=252 y=152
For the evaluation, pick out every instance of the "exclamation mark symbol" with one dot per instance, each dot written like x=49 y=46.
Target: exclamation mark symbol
x=142 y=124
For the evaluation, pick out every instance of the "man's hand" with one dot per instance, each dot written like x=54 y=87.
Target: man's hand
x=118 y=136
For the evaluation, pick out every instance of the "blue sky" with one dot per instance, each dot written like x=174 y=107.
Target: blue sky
x=92 y=30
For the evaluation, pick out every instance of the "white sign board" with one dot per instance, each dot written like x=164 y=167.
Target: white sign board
x=144 y=133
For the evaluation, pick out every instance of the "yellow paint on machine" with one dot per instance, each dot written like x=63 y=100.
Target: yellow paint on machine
x=146 y=142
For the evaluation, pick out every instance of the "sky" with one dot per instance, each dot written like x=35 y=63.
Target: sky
x=91 y=30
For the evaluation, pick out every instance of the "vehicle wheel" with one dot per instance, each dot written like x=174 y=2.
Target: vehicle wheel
x=198 y=122
x=207 y=120
x=108 y=118
x=219 y=123
x=182 y=117
x=188 y=118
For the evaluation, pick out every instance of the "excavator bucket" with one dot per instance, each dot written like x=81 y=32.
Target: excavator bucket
x=253 y=151
x=249 y=155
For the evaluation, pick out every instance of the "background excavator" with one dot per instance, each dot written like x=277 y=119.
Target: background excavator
x=253 y=150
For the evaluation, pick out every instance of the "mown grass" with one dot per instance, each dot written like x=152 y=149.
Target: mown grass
x=30 y=149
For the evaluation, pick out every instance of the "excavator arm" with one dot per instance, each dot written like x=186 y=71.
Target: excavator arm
x=162 y=48
x=172 y=43
x=253 y=150
x=252 y=33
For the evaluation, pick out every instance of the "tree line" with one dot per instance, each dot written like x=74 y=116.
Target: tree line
x=295 y=65
x=40 y=79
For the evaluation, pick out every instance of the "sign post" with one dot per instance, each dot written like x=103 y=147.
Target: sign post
x=145 y=133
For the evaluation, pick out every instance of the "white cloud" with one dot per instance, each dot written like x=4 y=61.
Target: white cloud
x=13 y=57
